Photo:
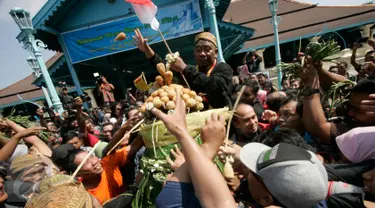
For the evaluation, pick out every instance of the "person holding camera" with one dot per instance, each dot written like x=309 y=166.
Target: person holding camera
x=106 y=91
x=66 y=99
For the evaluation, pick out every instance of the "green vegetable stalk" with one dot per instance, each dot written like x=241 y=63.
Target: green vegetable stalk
x=319 y=51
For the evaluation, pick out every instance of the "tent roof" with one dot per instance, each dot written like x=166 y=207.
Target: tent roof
x=297 y=19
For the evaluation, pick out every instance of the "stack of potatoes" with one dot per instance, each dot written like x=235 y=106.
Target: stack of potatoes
x=165 y=96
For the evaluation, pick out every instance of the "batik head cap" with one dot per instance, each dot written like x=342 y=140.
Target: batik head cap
x=205 y=36
x=294 y=176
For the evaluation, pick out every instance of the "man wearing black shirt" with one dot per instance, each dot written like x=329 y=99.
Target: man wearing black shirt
x=249 y=97
x=208 y=77
x=252 y=60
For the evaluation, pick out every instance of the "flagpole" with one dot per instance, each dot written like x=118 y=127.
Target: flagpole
x=170 y=51
x=165 y=42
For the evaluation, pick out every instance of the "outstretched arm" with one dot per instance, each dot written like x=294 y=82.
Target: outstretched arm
x=8 y=149
x=33 y=140
x=208 y=182
x=313 y=114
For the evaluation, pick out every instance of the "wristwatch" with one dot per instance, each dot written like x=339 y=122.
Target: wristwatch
x=309 y=91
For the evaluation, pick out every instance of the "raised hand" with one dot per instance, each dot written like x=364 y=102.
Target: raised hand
x=369 y=105
x=309 y=73
x=270 y=116
x=175 y=122
x=213 y=134
x=178 y=65
x=140 y=42
x=179 y=158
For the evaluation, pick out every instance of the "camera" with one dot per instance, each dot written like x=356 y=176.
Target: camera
x=85 y=97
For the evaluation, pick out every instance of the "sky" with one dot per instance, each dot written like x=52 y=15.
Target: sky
x=13 y=65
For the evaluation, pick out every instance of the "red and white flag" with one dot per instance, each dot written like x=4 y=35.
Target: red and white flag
x=145 y=11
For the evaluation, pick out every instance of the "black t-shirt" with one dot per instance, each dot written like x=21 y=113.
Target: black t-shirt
x=253 y=66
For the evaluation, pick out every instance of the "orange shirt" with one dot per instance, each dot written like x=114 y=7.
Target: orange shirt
x=111 y=184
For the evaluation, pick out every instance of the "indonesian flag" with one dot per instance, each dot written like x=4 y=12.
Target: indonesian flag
x=145 y=11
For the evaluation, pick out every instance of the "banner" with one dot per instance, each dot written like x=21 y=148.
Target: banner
x=96 y=41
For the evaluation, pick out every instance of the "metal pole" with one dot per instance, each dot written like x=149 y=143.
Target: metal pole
x=46 y=95
x=72 y=70
x=277 y=47
x=214 y=29
x=51 y=88
x=70 y=66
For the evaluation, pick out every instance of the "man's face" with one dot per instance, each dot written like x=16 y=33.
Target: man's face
x=261 y=79
x=89 y=126
x=92 y=165
x=65 y=91
x=246 y=119
x=354 y=111
x=258 y=190
x=205 y=53
x=51 y=127
x=295 y=84
x=74 y=124
x=286 y=84
x=334 y=70
x=288 y=116
x=251 y=58
x=118 y=110
x=254 y=77
x=248 y=95
x=76 y=142
x=39 y=112
x=107 y=132
x=133 y=113
x=341 y=70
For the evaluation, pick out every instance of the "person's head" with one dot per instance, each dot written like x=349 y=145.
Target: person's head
x=245 y=119
x=205 y=49
x=357 y=145
x=369 y=66
x=39 y=112
x=253 y=77
x=90 y=127
x=71 y=137
x=295 y=83
x=290 y=113
x=119 y=110
x=74 y=124
x=370 y=56
x=342 y=67
x=139 y=104
x=64 y=90
x=68 y=158
x=107 y=131
x=51 y=127
x=361 y=92
x=133 y=112
x=285 y=175
x=251 y=91
x=261 y=78
x=268 y=87
x=285 y=83
x=275 y=99
x=251 y=57
x=333 y=69
x=286 y=135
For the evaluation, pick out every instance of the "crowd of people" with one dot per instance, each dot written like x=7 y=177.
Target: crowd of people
x=289 y=147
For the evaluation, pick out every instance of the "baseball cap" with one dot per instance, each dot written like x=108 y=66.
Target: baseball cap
x=357 y=144
x=294 y=176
